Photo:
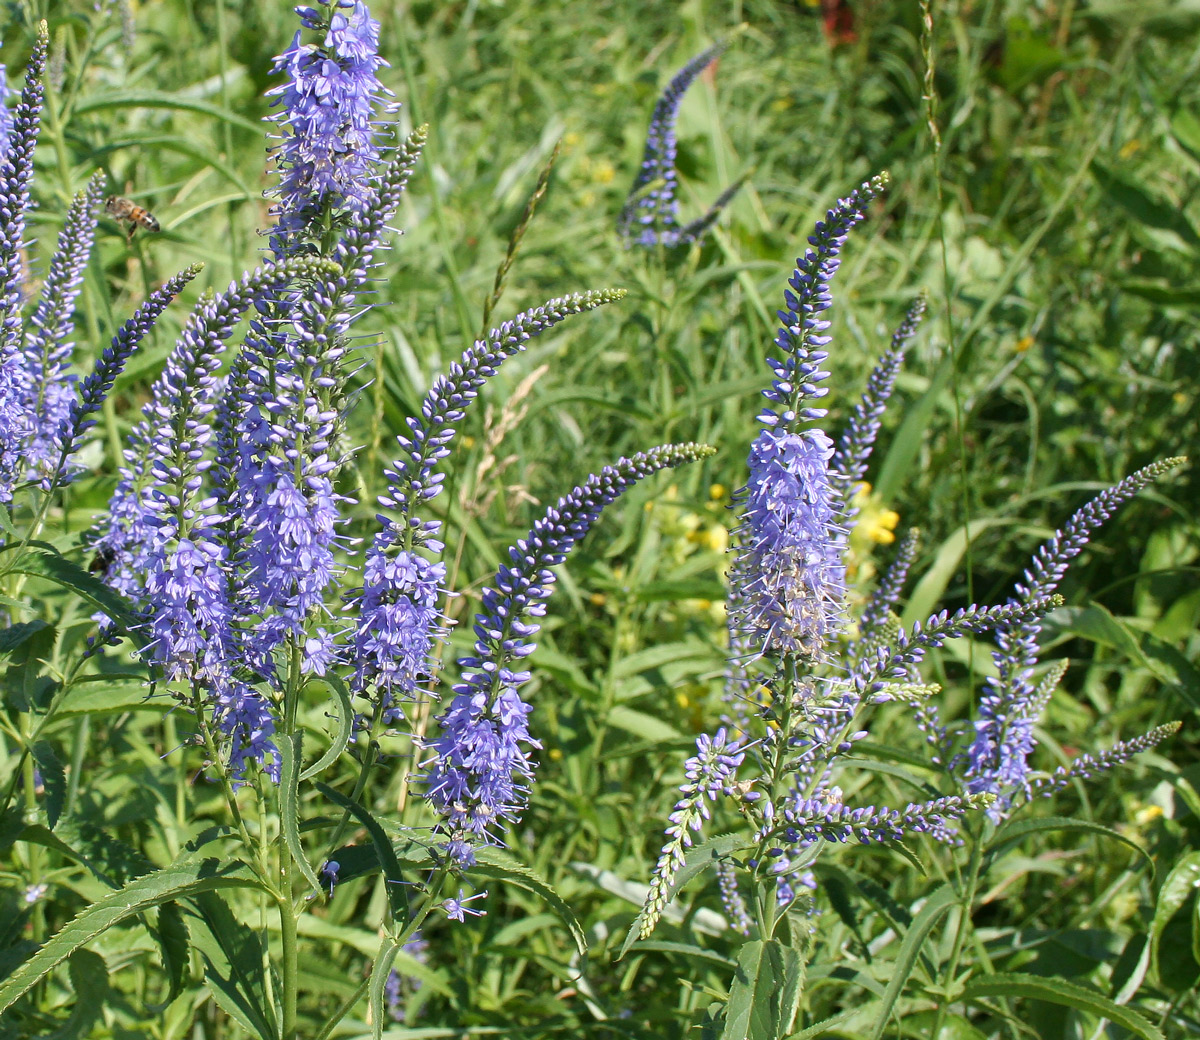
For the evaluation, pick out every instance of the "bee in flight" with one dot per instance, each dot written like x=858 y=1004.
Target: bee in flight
x=123 y=209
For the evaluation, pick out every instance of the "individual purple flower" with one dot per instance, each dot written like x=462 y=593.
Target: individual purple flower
x=329 y=149
x=790 y=575
x=997 y=760
x=51 y=391
x=481 y=768
x=456 y=908
x=16 y=170
x=650 y=215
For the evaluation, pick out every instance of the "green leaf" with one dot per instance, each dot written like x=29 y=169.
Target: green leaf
x=104 y=101
x=89 y=980
x=172 y=938
x=54 y=780
x=698 y=953
x=494 y=863
x=344 y=731
x=936 y=906
x=380 y=970
x=1060 y=991
x=641 y=725
x=291 y=754
x=1018 y=829
x=821 y=1029
x=765 y=993
x=63 y=572
x=1177 y=887
x=397 y=890
x=100 y=695
x=234 y=955
x=1144 y=204
x=146 y=892
x=14 y=635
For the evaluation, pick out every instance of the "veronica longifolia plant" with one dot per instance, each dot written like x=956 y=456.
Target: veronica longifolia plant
x=803 y=683
x=225 y=537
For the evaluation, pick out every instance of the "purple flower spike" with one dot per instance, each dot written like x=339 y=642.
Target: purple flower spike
x=16 y=170
x=790 y=575
x=797 y=375
x=51 y=392
x=650 y=215
x=998 y=758
x=96 y=387
x=6 y=119
x=329 y=148
x=481 y=769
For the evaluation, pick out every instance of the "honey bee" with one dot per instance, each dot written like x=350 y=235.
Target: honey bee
x=123 y=209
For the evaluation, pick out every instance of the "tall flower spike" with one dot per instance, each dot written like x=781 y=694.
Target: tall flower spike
x=284 y=422
x=1088 y=765
x=998 y=758
x=397 y=608
x=707 y=774
x=329 y=148
x=788 y=581
x=51 y=391
x=854 y=447
x=650 y=215
x=16 y=169
x=142 y=515
x=481 y=767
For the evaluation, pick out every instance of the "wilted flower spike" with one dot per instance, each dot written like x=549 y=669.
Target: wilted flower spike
x=997 y=760
x=481 y=769
x=651 y=213
x=790 y=577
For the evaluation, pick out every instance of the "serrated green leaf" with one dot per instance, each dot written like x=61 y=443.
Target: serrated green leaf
x=89 y=980
x=1177 y=887
x=939 y=903
x=1017 y=829
x=381 y=968
x=14 y=635
x=171 y=934
x=291 y=754
x=765 y=993
x=110 y=697
x=173 y=882
x=233 y=957
x=820 y=1029
x=1060 y=991
x=397 y=890
x=344 y=731
x=54 y=780
x=68 y=575
x=494 y=863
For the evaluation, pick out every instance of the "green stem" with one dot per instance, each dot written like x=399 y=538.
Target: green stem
x=964 y=918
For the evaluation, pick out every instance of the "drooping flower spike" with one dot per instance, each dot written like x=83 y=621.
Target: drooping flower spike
x=397 y=608
x=997 y=760
x=478 y=777
x=650 y=215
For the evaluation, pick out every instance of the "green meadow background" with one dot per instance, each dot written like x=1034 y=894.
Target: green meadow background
x=1050 y=214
